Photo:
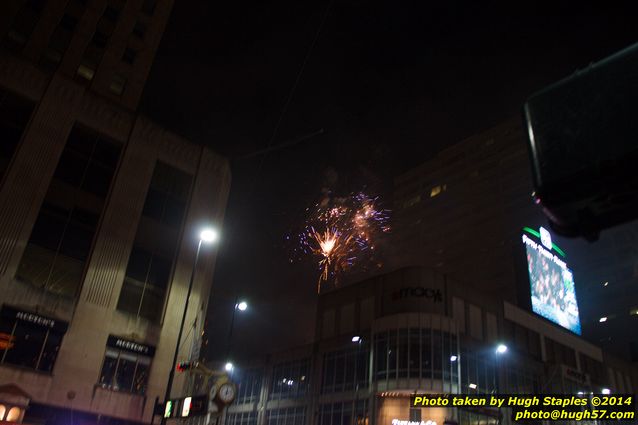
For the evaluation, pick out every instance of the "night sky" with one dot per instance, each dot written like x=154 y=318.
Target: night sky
x=389 y=83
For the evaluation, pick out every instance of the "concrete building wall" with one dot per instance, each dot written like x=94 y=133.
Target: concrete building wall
x=61 y=103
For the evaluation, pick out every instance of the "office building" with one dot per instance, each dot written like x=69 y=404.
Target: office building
x=463 y=212
x=101 y=212
x=415 y=330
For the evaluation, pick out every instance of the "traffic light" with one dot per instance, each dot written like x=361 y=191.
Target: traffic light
x=184 y=366
x=186 y=407
x=168 y=409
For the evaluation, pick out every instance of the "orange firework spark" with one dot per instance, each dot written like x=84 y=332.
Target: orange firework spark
x=340 y=232
x=333 y=248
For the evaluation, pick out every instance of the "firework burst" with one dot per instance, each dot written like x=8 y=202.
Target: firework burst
x=342 y=232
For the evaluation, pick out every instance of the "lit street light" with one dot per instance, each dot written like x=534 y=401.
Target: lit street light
x=500 y=350
x=207 y=236
x=241 y=306
x=228 y=367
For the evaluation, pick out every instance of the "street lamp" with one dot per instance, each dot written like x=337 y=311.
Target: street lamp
x=241 y=306
x=207 y=235
x=228 y=367
x=501 y=349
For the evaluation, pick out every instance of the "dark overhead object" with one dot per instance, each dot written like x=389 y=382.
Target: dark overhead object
x=583 y=144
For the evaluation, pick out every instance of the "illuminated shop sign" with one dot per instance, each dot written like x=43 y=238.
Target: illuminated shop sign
x=553 y=292
x=400 y=422
x=132 y=346
x=419 y=292
x=34 y=318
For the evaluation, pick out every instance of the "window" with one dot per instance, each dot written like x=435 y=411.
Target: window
x=117 y=84
x=345 y=370
x=62 y=235
x=249 y=386
x=290 y=380
x=88 y=161
x=139 y=30
x=344 y=413
x=241 y=418
x=23 y=24
x=436 y=190
x=14 y=116
x=126 y=366
x=415 y=353
x=151 y=260
x=286 y=416
x=168 y=195
x=95 y=49
x=559 y=353
x=86 y=71
x=30 y=340
x=145 y=284
x=129 y=55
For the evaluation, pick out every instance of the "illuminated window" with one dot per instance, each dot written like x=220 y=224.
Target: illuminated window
x=14 y=414
x=30 y=340
x=86 y=71
x=287 y=380
x=436 y=190
x=124 y=371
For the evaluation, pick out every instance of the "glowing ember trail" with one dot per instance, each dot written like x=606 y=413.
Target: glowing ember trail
x=341 y=232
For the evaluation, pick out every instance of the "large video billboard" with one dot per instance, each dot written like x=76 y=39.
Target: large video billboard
x=552 y=283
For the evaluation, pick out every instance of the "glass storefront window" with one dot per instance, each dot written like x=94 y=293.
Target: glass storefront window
x=346 y=370
x=415 y=353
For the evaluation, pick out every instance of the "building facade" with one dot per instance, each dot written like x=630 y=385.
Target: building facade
x=101 y=213
x=462 y=214
x=415 y=330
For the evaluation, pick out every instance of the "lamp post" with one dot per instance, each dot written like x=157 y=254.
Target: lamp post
x=241 y=306
x=207 y=236
x=501 y=349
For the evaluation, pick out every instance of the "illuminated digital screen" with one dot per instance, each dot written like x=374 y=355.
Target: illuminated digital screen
x=552 y=284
